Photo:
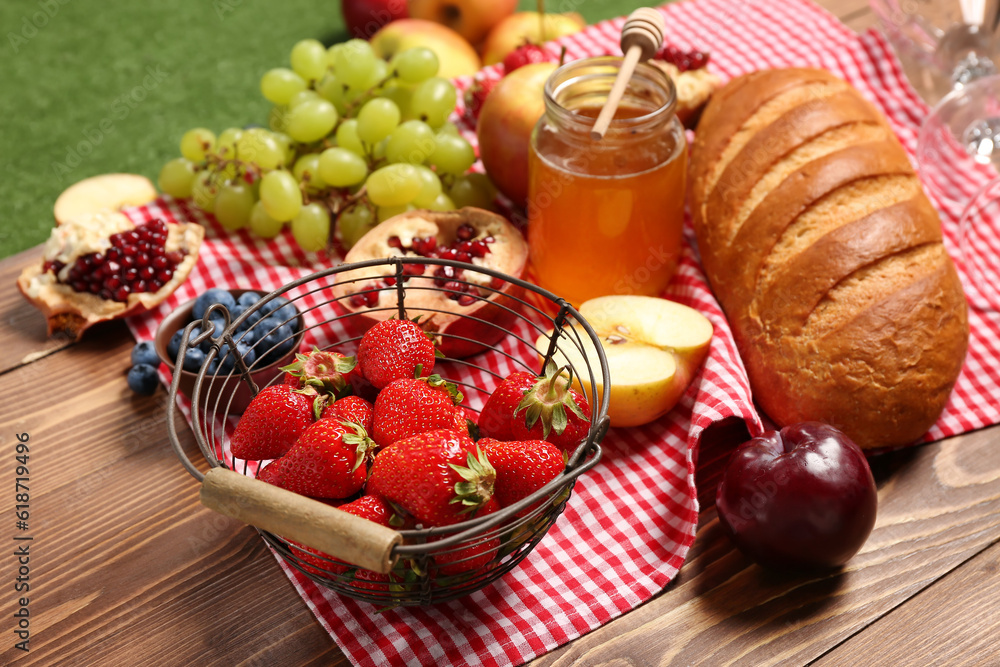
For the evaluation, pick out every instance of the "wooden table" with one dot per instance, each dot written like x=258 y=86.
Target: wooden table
x=126 y=568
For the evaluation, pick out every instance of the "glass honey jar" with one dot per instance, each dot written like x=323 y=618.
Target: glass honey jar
x=606 y=216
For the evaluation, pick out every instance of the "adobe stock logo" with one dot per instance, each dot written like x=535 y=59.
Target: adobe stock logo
x=119 y=109
x=31 y=24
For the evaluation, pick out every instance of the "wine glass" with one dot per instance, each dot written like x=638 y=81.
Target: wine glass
x=958 y=153
x=942 y=44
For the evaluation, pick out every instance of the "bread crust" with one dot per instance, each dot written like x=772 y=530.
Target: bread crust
x=843 y=302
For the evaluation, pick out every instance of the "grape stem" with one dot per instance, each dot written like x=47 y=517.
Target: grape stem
x=337 y=204
x=215 y=163
x=350 y=107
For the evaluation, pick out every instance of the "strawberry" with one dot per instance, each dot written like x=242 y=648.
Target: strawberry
x=368 y=507
x=352 y=409
x=526 y=54
x=495 y=418
x=327 y=461
x=327 y=371
x=395 y=349
x=552 y=410
x=522 y=467
x=476 y=94
x=470 y=557
x=439 y=477
x=409 y=407
x=273 y=421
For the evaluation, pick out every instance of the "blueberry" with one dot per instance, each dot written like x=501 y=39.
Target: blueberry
x=145 y=353
x=209 y=297
x=277 y=344
x=248 y=299
x=194 y=359
x=142 y=379
x=213 y=366
x=281 y=308
x=247 y=336
x=227 y=361
x=174 y=346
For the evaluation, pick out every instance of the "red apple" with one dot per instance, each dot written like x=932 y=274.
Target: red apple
x=522 y=27
x=472 y=19
x=506 y=120
x=457 y=57
x=802 y=497
x=365 y=17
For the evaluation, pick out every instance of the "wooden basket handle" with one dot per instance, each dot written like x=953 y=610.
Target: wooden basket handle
x=340 y=534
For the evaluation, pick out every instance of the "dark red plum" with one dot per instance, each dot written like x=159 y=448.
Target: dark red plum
x=801 y=497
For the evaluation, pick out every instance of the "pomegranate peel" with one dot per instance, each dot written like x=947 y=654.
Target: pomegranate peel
x=454 y=303
x=70 y=312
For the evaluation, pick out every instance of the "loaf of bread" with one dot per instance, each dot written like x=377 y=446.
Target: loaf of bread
x=826 y=257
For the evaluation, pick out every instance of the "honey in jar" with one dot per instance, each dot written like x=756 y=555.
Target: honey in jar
x=606 y=216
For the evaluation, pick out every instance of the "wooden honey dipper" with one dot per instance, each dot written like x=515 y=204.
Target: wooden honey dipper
x=642 y=36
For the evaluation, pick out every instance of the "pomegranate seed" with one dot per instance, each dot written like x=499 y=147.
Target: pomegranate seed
x=443 y=274
x=137 y=261
x=357 y=300
x=424 y=246
x=466 y=300
x=414 y=269
x=447 y=253
x=454 y=286
x=478 y=249
x=463 y=256
x=466 y=232
x=389 y=281
x=394 y=242
x=371 y=298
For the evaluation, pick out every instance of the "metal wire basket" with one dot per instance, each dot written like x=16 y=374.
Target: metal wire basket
x=351 y=555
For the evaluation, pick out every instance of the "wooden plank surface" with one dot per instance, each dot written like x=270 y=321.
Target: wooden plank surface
x=127 y=568
x=22 y=329
x=939 y=506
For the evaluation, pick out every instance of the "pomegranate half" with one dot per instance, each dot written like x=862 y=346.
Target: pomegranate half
x=469 y=309
x=86 y=273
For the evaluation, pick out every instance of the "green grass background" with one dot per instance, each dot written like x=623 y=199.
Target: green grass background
x=91 y=87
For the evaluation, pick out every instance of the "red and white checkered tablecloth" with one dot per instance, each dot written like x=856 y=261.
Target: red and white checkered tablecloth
x=630 y=522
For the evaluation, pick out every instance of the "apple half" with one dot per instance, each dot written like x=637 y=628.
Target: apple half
x=654 y=348
x=97 y=193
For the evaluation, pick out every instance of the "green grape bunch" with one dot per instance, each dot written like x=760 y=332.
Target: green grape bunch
x=350 y=141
